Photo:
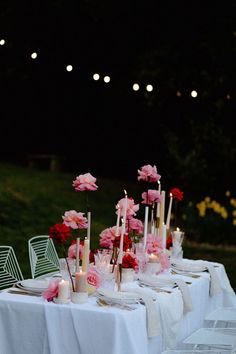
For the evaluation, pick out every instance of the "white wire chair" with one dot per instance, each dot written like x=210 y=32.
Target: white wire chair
x=222 y=317
x=212 y=339
x=10 y=272
x=43 y=256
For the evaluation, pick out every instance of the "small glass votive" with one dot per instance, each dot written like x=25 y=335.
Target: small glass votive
x=79 y=298
x=153 y=267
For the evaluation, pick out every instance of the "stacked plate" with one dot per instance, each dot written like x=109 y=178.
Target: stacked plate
x=118 y=297
x=33 y=285
x=157 y=282
x=189 y=266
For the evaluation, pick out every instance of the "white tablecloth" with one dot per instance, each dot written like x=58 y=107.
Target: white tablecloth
x=33 y=325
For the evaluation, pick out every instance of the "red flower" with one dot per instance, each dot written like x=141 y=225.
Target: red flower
x=177 y=194
x=59 y=233
x=129 y=261
x=127 y=242
x=169 y=242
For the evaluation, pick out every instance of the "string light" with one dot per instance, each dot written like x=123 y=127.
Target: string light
x=69 y=68
x=107 y=79
x=96 y=77
x=149 y=88
x=194 y=93
x=135 y=87
x=34 y=55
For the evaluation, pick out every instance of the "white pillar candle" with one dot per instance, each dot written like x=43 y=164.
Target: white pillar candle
x=169 y=213
x=85 y=260
x=63 y=290
x=120 y=256
x=145 y=227
x=77 y=254
x=117 y=220
x=163 y=236
x=81 y=282
x=162 y=211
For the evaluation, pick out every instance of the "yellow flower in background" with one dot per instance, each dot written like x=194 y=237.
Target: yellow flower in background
x=227 y=193
x=233 y=202
x=201 y=208
x=234 y=222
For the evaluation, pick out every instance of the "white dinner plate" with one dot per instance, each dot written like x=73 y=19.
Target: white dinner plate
x=189 y=266
x=33 y=285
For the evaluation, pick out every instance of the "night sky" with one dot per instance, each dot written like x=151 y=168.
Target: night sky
x=175 y=46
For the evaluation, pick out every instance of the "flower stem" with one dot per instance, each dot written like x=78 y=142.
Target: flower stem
x=72 y=283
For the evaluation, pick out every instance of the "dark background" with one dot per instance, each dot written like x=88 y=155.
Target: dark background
x=109 y=129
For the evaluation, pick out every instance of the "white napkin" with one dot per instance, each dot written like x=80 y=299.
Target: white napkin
x=153 y=317
x=215 y=286
x=170 y=281
x=187 y=302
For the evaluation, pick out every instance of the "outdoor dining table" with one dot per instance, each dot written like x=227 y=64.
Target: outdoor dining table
x=31 y=324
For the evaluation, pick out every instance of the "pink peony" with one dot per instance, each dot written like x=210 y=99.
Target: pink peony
x=151 y=196
x=107 y=237
x=85 y=182
x=135 y=225
x=51 y=291
x=149 y=174
x=154 y=244
x=131 y=207
x=94 y=277
x=75 y=220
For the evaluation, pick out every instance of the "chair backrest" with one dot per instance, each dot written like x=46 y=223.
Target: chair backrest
x=221 y=317
x=43 y=256
x=10 y=272
x=213 y=338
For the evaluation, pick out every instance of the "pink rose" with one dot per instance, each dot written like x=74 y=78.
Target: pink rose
x=107 y=237
x=135 y=225
x=94 y=277
x=131 y=207
x=85 y=182
x=151 y=196
x=51 y=291
x=149 y=174
x=75 y=220
x=154 y=244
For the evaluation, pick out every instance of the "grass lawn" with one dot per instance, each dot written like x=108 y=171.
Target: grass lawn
x=33 y=200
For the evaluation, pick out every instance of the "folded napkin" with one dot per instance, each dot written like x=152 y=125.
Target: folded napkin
x=165 y=281
x=153 y=317
x=215 y=286
x=187 y=302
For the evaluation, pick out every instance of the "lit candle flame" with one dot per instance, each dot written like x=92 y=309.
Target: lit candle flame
x=125 y=192
x=177 y=229
x=171 y=195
